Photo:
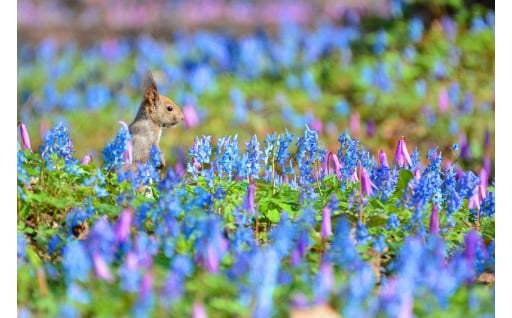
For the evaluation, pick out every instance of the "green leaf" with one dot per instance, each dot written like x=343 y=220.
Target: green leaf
x=403 y=180
x=273 y=215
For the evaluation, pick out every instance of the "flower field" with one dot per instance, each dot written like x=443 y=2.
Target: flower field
x=338 y=168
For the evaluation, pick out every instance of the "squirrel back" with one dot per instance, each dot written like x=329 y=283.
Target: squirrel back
x=155 y=112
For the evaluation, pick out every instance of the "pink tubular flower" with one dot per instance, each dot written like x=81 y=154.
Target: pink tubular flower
x=87 y=159
x=316 y=124
x=355 y=123
x=101 y=268
x=190 y=117
x=443 y=100
x=198 y=311
x=25 y=138
x=122 y=226
x=417 y=174
x=482 y=188
x=336 y=162
x=145 y=288
x=434 y=221
x=402 y=154
x=326 y=230
x=383 y=159
x=366 y=183
x=250 y=198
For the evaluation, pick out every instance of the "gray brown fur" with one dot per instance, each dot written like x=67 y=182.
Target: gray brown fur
x=155 y=112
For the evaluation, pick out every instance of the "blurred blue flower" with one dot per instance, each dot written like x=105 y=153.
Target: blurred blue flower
x=381 y=42
x=478 y=24
x=21 y=247
x=129 y=274
x=282 y=235
x=76 y=262
x=393 y=222
x=343 y=251
x=263 y=280
x=101 y=239
x=68 y=311
x=342 y=107
x=77 y=294
x=97 y=97
x=415 y=28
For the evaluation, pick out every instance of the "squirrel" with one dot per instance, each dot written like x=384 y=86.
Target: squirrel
x=155 y=112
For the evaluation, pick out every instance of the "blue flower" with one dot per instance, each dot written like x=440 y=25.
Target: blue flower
x=57 y=141
x=381 y=42
x=129 y=274
x=97 y=97
x=393 y=222
x=343 y=251
x=415 y=29
x=227 y=156
x=263 y=275
x=21 y=247
x=250 y=163
x=76 y=262
x=114 y=152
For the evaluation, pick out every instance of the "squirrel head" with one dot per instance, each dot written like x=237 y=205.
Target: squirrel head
x=163 y=111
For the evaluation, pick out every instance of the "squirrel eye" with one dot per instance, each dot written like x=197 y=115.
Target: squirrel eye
x=169 y=108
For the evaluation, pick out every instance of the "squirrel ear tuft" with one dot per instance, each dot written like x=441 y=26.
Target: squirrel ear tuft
x=149 y=88
x=148 y=82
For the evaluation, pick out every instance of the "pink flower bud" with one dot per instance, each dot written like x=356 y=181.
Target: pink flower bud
x=434 y=221
x=87 y=159
x=402 y=154
x=383 y=159
x=355 y=123
x=443 y=100
x=25 y=138
x=366 y=183
x=190 y=117
x=198 y=311
x=101 y=268
x=326 y=229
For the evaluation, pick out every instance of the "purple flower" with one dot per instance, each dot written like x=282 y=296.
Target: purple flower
x=417 y=174
x=383 y=159
x=250 y=198
x=354 y=123
x=145 y=287
x=336 y=162
x=487 y=139
x=25 y=138
x=191 y=118
x=402 y=154
x=366 y=183
x=443 y=100
x=86 y=160
x=482 y=188
x=122 y=226
x=465 y=151
x=101 y=268
x=471 y=242
x=487 y=164
x=326 y=223
x=198 y=311
x=434 y=221
x=370 y=128
x=129 y=273
x=324 y=282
